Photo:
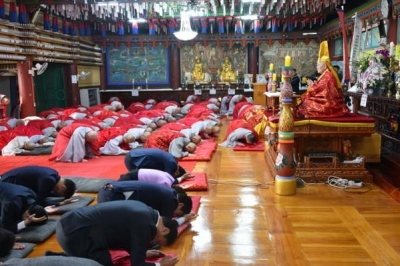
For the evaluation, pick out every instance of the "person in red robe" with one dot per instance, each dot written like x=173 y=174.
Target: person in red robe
x=114 y=141
x=47 y=128
x=74 y=143
x=11 y=143
x=324 y=97
x=171 y=141
x=240 y=133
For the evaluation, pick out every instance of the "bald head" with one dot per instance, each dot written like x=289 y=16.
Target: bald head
x=91 y=136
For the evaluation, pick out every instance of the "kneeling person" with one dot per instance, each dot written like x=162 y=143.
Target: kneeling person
x=170 y=202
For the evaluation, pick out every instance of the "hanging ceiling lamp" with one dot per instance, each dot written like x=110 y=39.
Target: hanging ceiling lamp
x=185 y=33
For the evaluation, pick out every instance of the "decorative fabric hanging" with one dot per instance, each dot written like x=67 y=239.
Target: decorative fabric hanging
x=2 y=14
x=103 y=30
x=239 y=27
x=46 y=21
x=121 y=30
x=171 y=26
x=152 y=28
x=135 y=27
x=204 y=25
x=23 y=16
x=88 y=29
x=13 y=16
x=55 y=24
x=64 y=27
x=257 y=26
x=72 y=29
x=221 y=27
x=81 y=28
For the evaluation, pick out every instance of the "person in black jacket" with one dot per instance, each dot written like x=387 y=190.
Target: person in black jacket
x=43 y=181
x=168 y=201
x=18 y=208
x=90 y=232
x=295 y=82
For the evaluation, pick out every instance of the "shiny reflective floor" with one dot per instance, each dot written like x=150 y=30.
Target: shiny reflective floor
x=243 y=222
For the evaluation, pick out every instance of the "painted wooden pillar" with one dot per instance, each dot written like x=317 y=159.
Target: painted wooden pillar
x=26 y=89
x=72 y=88
x=174 y=66
x=252 y=60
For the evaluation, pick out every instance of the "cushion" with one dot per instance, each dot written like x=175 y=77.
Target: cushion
x=82 y=202
x=122 y=258
x=258 y=147
x=195 y=209
x=17 y=254
x=37 y=151
x=38 y=234
x=203 y=152
x=89 y=184
x=197 y=183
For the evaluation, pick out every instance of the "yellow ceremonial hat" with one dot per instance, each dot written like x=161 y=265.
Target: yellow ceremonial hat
x=323 y=52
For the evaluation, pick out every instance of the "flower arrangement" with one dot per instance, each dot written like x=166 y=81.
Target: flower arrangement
x=374 y=69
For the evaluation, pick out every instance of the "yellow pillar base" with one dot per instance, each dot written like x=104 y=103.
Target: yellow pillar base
x=285 y=187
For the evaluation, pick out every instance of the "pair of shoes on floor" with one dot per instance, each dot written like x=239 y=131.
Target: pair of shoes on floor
x=52 y=253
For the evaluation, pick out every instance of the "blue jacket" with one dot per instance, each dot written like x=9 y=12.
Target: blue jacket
x=153 y=159
x=159 y=197
x=38 y=178
x=14 y=201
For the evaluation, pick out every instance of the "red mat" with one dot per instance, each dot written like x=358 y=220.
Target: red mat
x=197 y=183
x=188 y=165
x=258 y=147
x=195 y=209
x=122 y=258
x=203 y=152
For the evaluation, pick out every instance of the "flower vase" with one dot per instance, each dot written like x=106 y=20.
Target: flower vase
x=285 y=165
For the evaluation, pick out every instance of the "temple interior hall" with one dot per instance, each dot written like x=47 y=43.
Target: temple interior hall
x=283 y=117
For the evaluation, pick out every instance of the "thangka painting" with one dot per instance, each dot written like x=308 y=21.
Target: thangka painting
x=211 y=58
x=304 y=57
x=137 y=65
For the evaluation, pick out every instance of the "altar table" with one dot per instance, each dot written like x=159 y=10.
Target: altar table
x=318 y=148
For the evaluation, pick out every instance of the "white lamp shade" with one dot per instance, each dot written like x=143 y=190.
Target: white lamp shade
x=185 y=33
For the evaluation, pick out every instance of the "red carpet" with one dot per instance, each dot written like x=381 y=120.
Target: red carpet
x=258 y=147
x=106 y=166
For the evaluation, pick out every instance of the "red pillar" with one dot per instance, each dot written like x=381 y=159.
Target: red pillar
x=26 y=89
x=174 y=66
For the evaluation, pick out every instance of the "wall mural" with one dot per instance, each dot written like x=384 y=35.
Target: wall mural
x=138 y=65
x=304 y=56
x=211 y=60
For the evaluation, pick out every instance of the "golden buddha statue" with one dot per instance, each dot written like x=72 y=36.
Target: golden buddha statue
x=226 y=73
x=198 y=73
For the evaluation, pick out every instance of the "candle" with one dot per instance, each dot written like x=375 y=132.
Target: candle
x=133 y=81
x=282 y=79
x=274 y=77
x=146 y=81
x=391 y=49
x=271 y=67
x=288 y=61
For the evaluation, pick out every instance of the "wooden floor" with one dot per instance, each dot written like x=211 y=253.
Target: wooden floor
x=243 y=222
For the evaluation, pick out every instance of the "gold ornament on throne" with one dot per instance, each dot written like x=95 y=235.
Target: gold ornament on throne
x=226 y=73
